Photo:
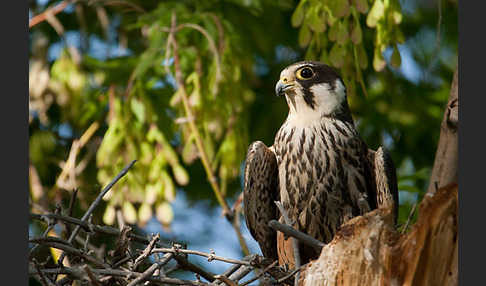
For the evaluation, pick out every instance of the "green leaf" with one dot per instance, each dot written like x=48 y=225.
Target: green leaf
x=361 y=6
x=362 y=57
x=298 y=15
x=342 y=33
x=305 y=36
x=396 y=60
x=144 y=213
x=129 y=212
x=377 y=12
x=356 y=34
x=164 y=213
x=138 y=108
x=341 y=9
x=180 y=175
x=169 y=188
x=317 y=21
x=109 y=215
x=337 y=54
x=333 y=31
x=378 y=60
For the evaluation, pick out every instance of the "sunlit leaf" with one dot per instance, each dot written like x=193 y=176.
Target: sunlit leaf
x=164 y=213
x=395 y=60
x=305 y=36
x=109 y=215
x=376 y=13
x=129 y=212
x=298 y=15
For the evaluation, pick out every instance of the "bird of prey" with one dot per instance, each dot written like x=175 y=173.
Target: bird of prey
x=318 y=167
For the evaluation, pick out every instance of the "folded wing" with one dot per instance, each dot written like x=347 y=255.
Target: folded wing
x=260 y=192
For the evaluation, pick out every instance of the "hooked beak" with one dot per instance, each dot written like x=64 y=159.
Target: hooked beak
x=281 y=88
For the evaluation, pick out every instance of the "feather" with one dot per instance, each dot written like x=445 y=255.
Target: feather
x=260 y=192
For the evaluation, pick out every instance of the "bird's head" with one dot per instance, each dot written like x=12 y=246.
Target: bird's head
x=312 y=89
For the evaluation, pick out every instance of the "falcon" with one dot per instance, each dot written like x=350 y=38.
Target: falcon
x=318 y=167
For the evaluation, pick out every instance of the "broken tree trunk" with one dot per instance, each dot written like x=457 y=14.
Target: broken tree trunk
x=446 y=165
x=369 y=251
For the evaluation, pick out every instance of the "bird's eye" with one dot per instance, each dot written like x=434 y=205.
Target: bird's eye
x=305 y=73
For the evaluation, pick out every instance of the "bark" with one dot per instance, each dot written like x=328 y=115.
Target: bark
x=446 y=166
x=369 y=251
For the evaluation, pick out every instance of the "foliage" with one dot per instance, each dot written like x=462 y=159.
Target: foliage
x=111 y=67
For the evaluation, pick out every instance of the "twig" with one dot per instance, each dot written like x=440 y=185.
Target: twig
x=289 y=275
x=88 y=235
x=146 y=252
x=66 y=248
x=240 y=273
x=91 y=276
x=290 y=231
x=45 y=281
x=295 y=243
x=115 y=272
x=200 y=253
x=145 y=275
x=409 y=219
x=212 y=46
x=202 y=152
x=228 y=272
x=50 y=11
x=261 y=274
x=226 y=280
x=95 y=203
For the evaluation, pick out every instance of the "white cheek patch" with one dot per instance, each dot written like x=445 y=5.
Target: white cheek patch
x=327 y=100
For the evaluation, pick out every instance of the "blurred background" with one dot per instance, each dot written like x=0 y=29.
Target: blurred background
x=104 y=90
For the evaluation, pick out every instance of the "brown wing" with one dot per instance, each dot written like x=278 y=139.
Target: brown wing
x=385 y=179
x=260 y=192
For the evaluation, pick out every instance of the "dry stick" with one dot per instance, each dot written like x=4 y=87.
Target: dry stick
x=146 y=252
x=91 y=276
x=95 y=203
x=183 y=262
x=226 y=280
x=69 y=212
x=289 y=275
x=115 y=272
x=52 y=11
x=45 y=281
x=302 y=237
x=148 y=273
x=88 y=235
x=295 y=243
x=228 y=272
x=261 y=274
x=210 y=256
x=410 y=215
x=240 y=273
x=74 y=251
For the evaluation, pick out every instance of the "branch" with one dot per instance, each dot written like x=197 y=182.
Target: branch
x=96 y=202
x=50 y=11
x=204 y=157
x=302 y=237
x=210 y=256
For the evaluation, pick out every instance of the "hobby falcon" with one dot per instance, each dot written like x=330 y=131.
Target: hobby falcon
x=318 y=167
